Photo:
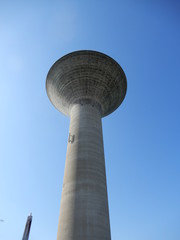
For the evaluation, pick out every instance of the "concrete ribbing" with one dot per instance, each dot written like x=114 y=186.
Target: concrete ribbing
x=86 y=75
x=84 y=206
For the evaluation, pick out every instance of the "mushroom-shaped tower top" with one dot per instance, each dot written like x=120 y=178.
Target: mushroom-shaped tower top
x=86 y=76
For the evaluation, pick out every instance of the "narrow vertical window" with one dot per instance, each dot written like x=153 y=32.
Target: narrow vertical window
x=71 y=138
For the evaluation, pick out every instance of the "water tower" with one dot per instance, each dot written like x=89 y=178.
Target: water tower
x=86 y=86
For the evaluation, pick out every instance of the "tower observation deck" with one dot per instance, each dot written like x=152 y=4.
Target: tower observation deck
x=86 y=86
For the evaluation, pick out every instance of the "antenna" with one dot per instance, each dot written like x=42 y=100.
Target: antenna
x=27 y=227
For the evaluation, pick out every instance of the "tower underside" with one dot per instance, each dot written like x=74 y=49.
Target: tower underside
x=86 y=75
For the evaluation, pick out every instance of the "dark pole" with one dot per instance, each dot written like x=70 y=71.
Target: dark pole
x=27 y=228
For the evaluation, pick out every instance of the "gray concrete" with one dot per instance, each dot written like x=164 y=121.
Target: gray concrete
x=84 y=206
x=85 y=85
x=86 y=75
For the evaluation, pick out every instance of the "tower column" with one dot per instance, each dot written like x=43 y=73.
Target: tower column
x=84 y=213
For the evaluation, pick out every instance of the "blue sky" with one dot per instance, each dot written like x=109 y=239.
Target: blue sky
x=141 y=138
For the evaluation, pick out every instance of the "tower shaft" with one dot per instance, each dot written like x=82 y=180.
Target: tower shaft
x=84 y=213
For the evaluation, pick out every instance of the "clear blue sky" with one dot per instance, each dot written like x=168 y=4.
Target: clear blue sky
x=141 y=139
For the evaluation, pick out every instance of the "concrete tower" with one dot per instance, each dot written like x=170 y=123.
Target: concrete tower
x=85 y=85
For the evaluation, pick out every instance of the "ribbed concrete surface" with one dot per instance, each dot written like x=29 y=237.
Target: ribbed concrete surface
x=86 y=75
x=84 y=206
